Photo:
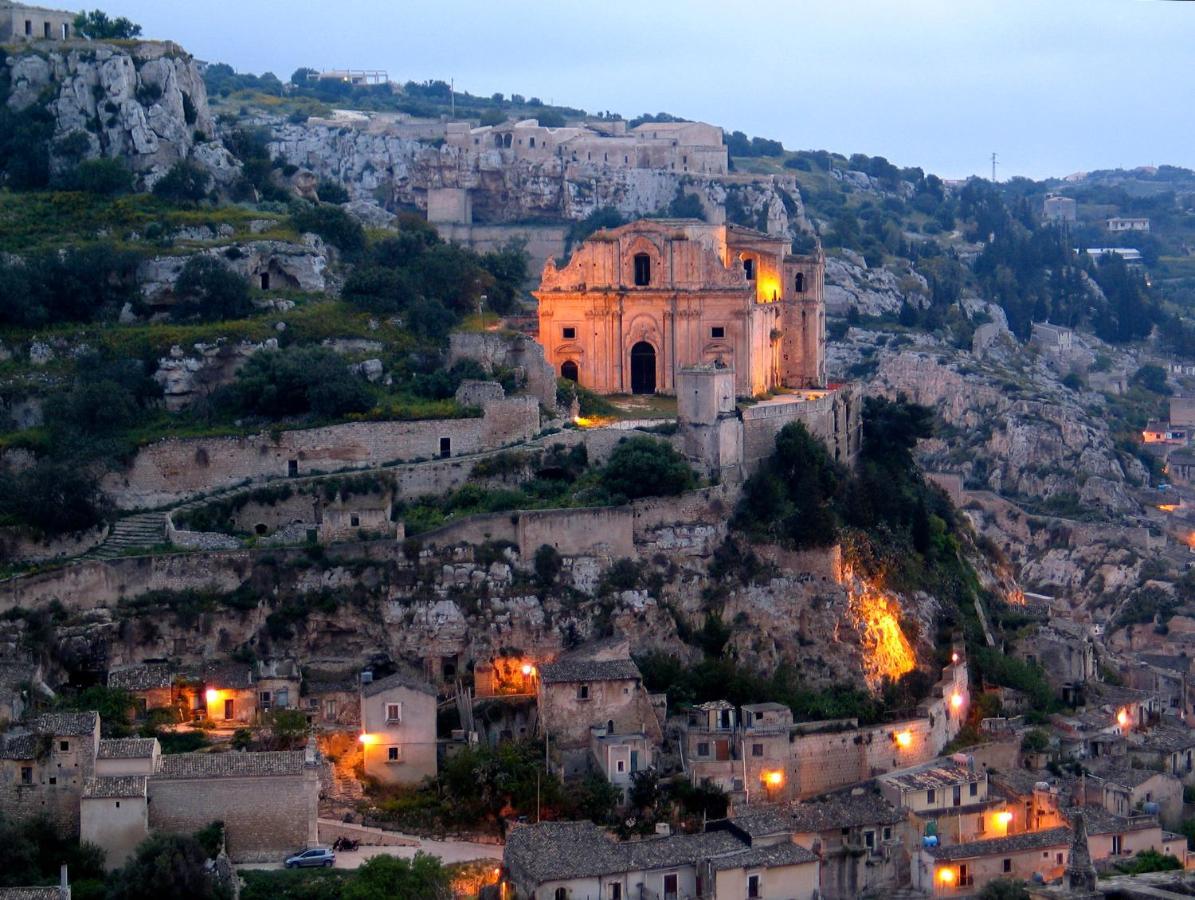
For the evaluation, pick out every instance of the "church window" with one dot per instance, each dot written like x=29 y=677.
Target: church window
x=749 y=268
x=718 y=331
x=570 y=333
x=642 y=270
x=800 y=283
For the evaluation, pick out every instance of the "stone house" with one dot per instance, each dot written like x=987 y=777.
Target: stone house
x=114 y=815
x=1113 y=838
x=1049 y=338
x=150 y=683
x=44 y=764
x=596 y=686
x=1167 y=748
x=1056 y=208
x=226 y=693
x=332 y=701
x=579 y=861
x=278 y=683
x=709 y=746
x=862 y=840
x=505 y=676
x=620 y=756
x=962 y=869
x=127 y=756
x=637 y=304
x=1127 y=223
x=398 y=729
x=950 y=801
x=1064 y=650
x=1168 y=677
x=20 y=23
x=1122 y=789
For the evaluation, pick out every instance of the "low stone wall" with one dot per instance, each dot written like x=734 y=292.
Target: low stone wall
x=173 y=470
x=330 y=830
x=22 y=545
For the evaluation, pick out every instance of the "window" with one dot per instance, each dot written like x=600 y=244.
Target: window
x=621 y=765
x=26 y=774
x=282 y=699
x=569 y=333
x=1007 y=865
x=1116 y=845
x=931 y=795
x=642 y=270
x=957 y=795
x=53 y=779
x=393 y=712
x=799 y=283
x=445 y=447
x=718 y=331
x=980 y=825
x=869 y=839
x=392 y=754
x=265 y=700
x=974 y=788
x=46 y=30
x=582 y=692
x=753 y=886
x=671 y=884
x=65 y=747
x=887 y=832
x=354 y=520
x=749 y=268
x=703 y=749
x=531 y=142
x=757 y=749
x=1058 y=858
x=329 y=709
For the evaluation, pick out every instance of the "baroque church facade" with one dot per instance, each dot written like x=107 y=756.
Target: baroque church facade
x=635 y=305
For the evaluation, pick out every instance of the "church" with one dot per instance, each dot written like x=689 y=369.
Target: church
x=635 y=305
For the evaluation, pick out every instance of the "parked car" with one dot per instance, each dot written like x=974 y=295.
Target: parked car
x=316 y=856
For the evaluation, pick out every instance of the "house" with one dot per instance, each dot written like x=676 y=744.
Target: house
x=709 y=746
x=225 y=693
x=949 y=801
x=1064 y=650
x=1127 y=223
x=60 y=891
x=1158 y=432
x=620 y=756
x=1167 y=747
x=1051 y=338
x=150 y=684
x=964 y=868
x=114 y=815
x=637 y=304
x=332 y=700
x=861 y=839
x=398 y=728
x=595 y=686
x=1057 y=208
x=278 y=685
x=44 y=763
x=1120 y=789
x=579 y=861
x=1113 y=838
x=127 y=756
x=21 y=23
x=505 y=676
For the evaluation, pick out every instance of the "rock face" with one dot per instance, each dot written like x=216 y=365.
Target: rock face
x=145 y=103
x=850 y=284
x=372 y=164
x=282 y=264
x=185 y=377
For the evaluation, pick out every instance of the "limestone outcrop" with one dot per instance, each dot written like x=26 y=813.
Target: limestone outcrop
x=143 y=102
x=271 y=265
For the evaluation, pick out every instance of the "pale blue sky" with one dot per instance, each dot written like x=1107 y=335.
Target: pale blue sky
x=1053 y=86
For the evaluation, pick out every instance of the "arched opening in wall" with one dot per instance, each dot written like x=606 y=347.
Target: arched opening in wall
x=497 y=140
x=609 y=726
x=642 y=270
x=506 y=140
x=799 y=283
x=643 y=368
x=260 y=528
x=749 y=268
x=568 y=369
x=265 y=281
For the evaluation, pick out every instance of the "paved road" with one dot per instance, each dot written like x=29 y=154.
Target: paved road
x=448 y=851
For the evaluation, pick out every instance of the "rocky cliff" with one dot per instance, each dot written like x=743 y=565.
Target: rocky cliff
x=144 y=102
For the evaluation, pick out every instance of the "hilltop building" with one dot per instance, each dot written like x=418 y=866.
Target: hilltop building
x=19 y=22
x=1121 y=223
x=1056 y=208
x=637 y=304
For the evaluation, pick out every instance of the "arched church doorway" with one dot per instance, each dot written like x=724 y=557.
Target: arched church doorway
x=643 y=368
x=568 y=369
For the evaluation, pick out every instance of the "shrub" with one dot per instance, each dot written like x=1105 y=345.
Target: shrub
x=279 y=383
x=185 y=183
x=332 y=224
x=164 y=865
x=79 y=284
x=331 y=191
x=55 y=498
x=209 y=291
x=97 y=26
x=547 y=565
x=104 y=177
x=645 y=467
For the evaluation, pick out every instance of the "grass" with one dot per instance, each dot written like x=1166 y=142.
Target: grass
x=642 y=406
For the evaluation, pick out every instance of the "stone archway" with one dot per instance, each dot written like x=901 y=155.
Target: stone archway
x=643 y=368
x=568 y=369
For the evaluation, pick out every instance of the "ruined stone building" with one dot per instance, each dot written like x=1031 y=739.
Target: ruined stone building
x=19 y=22
x=637 y=304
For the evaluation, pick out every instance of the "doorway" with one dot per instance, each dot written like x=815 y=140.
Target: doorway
x=568 y=369
x=643 y=368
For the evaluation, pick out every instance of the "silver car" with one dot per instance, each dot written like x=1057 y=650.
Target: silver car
x=317 y=856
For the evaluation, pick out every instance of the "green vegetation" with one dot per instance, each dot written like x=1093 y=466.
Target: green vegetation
x=35 y=849
x=645 y=467
x=380 y=878
x=1149 y=861
x=209 y=291
x=97 y=26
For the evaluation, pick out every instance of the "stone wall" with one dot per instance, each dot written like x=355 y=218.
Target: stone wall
x=179 y=468
x=835 y=417
x=506 y=350
x=18 y=543
x=265 y=817
x=540 y=242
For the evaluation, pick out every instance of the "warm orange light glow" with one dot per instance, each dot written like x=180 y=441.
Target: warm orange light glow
x=956 y=700
x=1004 y=818
x=954 y=658
x=1016 y=597
x=887 y=653
x=767 y=288
x=368 y=740
x=946 y=876
x=904 y=738
x=527 y=669
x=212 y=695
x=1122 y=718
x=773 y=779
x=1168 y=507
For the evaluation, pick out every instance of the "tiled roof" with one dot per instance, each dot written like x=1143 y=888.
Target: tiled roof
x=30 y=893
x=1032 y=840
x=680 y=849
x=1124 y=774
x=126 y=748
x=398 y=679
x=21 y=746
x=934 y=775
x=13 y=674
x=114 y=786
x=141 y=677
x=567 y=670
x=785 y=854
x=230 y=765
x=843 y=809
x=1169 y=738
x=67 y=724
x=1099 y=821
x=762 y=821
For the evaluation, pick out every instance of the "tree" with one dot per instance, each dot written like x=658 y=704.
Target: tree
x=54 y=497
x=164 y=865
x=645 y=467
x=332 y=224
x=291 y=382
x=185 y=183
x=1152 y=378
x=210 y=291
x=1004 y=889
x=288 y=728
x=104 y=177
x=386 y=877
x=302 y=75
x=96 y=26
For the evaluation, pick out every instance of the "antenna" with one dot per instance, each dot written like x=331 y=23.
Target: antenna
x=993 y=167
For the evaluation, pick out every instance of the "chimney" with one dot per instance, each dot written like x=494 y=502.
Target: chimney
x=64 y=884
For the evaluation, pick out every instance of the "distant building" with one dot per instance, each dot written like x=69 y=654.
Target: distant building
x=34 y=23
x=398 y=729
x=44 y=764
x=1056 y=208
x=1128 y=254
x=1118 y=223
x=960 y=869
x=1051 y=338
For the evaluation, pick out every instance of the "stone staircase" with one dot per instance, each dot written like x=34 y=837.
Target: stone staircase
x=142 y=530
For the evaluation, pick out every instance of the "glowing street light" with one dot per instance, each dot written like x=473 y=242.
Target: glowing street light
x=946 y=876
x=1004 y=819
x=904 y=738
x=1122 y=718
x=774 y=778
x=956 y=700
x=212 y=695
x=368 y=740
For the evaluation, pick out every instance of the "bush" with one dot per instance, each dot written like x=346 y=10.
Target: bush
x=280 y=383
x=547 y=565
x=185 y=183
x=645 y=467
x=104 y=177
x=164 y=865
x=79 y=284
x=209 y=291
x=332 y=224
x=55 y=498
x=331 y=192
x=421 y=878
x=97 y=26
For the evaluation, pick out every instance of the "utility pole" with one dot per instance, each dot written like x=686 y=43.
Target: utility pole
x=452 y=97
x=993 y=167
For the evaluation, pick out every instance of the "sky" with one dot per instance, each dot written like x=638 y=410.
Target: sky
x=1051 y=86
